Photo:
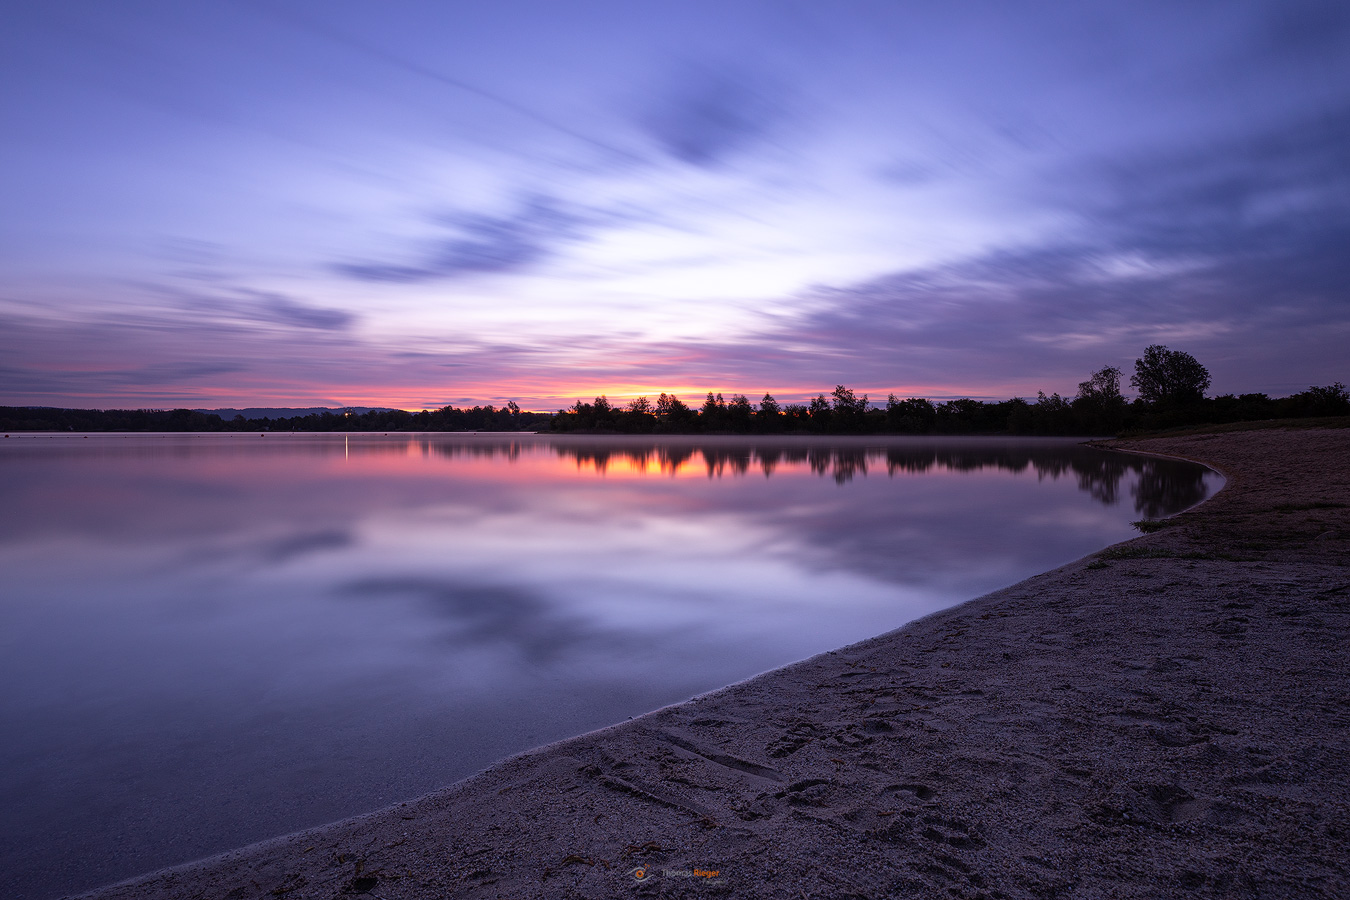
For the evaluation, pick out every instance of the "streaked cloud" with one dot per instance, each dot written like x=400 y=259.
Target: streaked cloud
x=481 y=244
x=265 y=306
x=713 y=113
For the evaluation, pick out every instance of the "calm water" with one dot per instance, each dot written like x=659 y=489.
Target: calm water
x=211 y=639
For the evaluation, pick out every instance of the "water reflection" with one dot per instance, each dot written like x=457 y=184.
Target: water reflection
x=496 y=614
x=1164 y=489
x=1099 y=474
x=1164 y=485
x=210 y=639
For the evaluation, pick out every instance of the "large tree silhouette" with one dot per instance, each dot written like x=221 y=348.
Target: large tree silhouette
x=1170 y=377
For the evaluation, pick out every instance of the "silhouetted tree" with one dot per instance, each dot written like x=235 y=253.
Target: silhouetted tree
x=769 y=416
x=1169 y=377
x=738 y=413
x=582 y=416
x=712 y=413
x=911 y=416
x=1052 y=415
x=797 y=416
x=1331 y=400
x=963 y=416
x=673 y=414
x=819 y=412
x=1020 y=420
x=1099 y=405
x=849 y=412
x=638 y=417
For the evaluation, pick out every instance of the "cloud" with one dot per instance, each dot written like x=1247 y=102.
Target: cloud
x=1279 y=189
x=711 y=115
x=303 y=543
x=37 y=380
x=1234 y=246
x=482 y=245
x=1297 y=30
x=173 y=372
x=176 y=356
x=247 y=306
x=1233 y=249
x=281 y=310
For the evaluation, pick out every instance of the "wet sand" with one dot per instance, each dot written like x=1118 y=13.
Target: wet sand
x=1168 y=717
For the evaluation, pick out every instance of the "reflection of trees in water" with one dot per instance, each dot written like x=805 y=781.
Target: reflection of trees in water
x=769 y=460
x=719 y=459
x=1163 y=486
x=845 y=464
x=1100 y=476
x=510 y=450
x=1166 y=487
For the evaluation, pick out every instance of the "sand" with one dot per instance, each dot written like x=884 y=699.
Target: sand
x=1170 y=717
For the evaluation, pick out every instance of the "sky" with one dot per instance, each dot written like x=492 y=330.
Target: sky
x=409 y=203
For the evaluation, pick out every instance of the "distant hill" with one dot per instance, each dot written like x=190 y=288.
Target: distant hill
x=264 y=412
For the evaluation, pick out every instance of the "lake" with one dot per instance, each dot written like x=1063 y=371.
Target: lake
x=216 y=638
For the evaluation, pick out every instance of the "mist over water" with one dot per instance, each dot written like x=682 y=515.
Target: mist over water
x=212 y=639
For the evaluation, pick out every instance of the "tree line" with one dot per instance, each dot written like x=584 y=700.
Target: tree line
x=1170 y=385
x=478 y=418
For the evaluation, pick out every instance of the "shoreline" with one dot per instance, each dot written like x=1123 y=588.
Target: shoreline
x=1166 y=712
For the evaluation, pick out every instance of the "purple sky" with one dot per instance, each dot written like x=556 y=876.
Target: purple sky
x=276 y=202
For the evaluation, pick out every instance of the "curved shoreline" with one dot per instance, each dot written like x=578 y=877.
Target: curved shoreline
x=1168 y=712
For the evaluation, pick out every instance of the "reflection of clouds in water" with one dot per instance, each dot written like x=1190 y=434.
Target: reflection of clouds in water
x=748 y=503
x=483 y=615
x=303 y=543
x=733 y=506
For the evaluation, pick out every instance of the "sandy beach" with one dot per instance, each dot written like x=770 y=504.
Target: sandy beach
x=1168 y=717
